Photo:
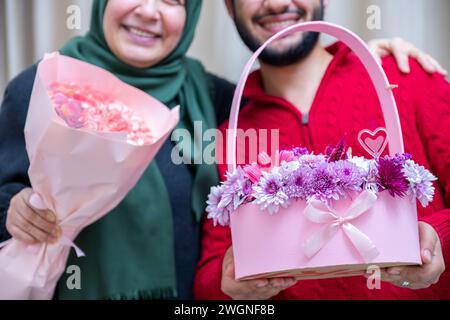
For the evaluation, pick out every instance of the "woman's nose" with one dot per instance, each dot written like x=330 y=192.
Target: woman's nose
x=149 y=9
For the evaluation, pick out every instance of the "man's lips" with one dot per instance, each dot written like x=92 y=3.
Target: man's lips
x=275 y=23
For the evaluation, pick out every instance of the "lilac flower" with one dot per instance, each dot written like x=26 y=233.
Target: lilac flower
x=297 y=185
x=391 y=178
x=220 y=215
x=361 y=162
x=420 y=182
x=234 y=194
x=371 y=177
x=400 y=159
x=312 y=160
x=349 y=175
x=269 y=192
x=287 y=168
x=300 y=151
x=323 y=184
x=337 y=153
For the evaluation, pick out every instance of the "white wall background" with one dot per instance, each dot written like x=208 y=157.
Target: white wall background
x=30 y=28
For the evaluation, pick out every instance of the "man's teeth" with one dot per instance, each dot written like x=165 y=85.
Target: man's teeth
x=141 y=33
x=280 y=24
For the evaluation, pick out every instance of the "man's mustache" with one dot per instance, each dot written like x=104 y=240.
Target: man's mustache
x=300 y=12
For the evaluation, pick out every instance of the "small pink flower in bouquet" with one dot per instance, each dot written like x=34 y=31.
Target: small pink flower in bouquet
x=253 y=172
x=83 y=107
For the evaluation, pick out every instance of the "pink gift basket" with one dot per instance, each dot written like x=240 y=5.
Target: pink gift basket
x=283 y=224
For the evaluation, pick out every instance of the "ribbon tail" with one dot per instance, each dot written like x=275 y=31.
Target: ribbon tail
x=316 y=242
x=65 y=241
x=5 y=243
x=362 y=242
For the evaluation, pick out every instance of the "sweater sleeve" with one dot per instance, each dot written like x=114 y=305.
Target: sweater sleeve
x=13 y=156
x=433 y=114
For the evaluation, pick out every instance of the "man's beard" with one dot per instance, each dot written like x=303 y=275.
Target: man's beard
x=290 y=55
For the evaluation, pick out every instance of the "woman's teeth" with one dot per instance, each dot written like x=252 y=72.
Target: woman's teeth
x=141 y=33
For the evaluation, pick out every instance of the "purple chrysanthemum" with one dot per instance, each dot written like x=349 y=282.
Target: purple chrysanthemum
x=420 y=182
x=349 y=175
x=323 y=183
x=220 y=215
x=391 y=178
x=337 y=153
x=269 y=193
x=297 y=185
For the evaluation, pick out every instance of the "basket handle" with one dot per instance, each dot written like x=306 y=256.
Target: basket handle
x=376 y=72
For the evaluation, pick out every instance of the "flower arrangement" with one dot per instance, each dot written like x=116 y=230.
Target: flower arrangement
x=83 y=107
x=298 y=174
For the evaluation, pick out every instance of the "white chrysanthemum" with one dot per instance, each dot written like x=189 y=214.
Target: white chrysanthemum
x=269 y=194
x=420 y=182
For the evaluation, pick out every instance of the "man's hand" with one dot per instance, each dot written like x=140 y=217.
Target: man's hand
x=401 y=50
x=420 y=277
x=260 y=289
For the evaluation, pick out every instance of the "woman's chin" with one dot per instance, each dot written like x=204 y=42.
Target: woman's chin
x=139 y=59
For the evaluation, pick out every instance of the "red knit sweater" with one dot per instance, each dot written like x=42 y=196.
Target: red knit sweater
x=345 y=104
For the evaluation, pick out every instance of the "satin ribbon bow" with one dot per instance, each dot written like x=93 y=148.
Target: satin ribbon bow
x=318 y=213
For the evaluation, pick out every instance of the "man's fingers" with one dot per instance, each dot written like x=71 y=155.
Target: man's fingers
x=428 y=240
x=282 y=283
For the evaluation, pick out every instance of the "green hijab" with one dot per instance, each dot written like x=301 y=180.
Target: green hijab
x=130 y=252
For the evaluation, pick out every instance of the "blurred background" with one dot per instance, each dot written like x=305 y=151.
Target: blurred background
x=31 y=28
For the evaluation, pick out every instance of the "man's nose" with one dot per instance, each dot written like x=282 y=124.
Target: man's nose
x=277 y=6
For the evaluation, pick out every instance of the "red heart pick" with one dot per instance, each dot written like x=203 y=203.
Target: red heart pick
x=374 y=142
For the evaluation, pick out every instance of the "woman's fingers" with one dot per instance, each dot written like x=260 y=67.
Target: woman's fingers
x=20 y=235
x=27 y=227
x=401 y=51
x=36 y=219
x=31 y=225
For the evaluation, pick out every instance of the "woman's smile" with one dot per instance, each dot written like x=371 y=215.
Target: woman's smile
x=140 y=36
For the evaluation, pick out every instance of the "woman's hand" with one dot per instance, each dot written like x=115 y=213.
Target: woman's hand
x=402 y=50
x=29 y=221
x=260 y=289
x=420 y=277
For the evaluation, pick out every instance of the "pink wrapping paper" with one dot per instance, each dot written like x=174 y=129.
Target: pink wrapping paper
x=81 y=175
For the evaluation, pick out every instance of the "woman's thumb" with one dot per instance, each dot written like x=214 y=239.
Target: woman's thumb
x=37 y=203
